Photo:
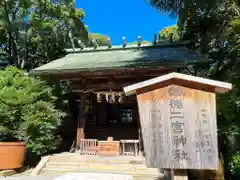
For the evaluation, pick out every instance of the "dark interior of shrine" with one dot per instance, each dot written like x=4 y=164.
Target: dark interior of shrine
x=103 y=120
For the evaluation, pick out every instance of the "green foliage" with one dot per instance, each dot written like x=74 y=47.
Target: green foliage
x=235 y=166
x=27 y=111
x=215 y=33
x=170 y=33
x=34 y=32
x=143 y=42
x=214 y=29
x=101 y=39
x=176 y=6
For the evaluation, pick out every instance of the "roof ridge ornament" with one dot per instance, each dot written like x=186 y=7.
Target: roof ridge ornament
x=171 y=38
x=139 y=42
x=109 y=43
x=124 y=42
x=82 y=46
x=154 y=43
x=71 y=39
x=94 y=43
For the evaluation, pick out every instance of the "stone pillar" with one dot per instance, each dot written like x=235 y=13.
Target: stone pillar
x=81 y=120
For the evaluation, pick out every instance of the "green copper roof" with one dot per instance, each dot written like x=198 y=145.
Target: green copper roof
x=102 y=59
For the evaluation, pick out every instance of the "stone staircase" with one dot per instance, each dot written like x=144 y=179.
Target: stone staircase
x=73 y=162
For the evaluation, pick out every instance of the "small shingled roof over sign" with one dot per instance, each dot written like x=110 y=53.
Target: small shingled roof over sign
x=219 y=86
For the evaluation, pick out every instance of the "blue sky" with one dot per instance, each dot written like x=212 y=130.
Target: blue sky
x=129 y=18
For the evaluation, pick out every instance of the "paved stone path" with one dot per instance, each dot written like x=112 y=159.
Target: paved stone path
x=93 y=176
x=25 y=177
x=71 y=176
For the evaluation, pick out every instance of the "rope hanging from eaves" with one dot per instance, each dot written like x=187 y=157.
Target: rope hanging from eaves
x=109 y=96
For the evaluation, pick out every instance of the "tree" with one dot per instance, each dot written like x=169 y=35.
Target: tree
x=35 y=32
x=176 y=6
x=27 y=111
x=170 y=33
x=214 y=29
x=181 y=8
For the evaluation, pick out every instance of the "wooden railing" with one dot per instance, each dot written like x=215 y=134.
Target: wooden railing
x=91 y=147
x=129 y=147
x=88 y=147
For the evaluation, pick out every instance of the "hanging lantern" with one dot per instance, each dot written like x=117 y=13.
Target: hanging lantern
x=99 y=98
x=107 y=97
x=113 y=99
x=121 y=98
x=110 y=98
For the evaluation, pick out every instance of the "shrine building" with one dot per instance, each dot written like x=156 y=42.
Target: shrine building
x=106 y=121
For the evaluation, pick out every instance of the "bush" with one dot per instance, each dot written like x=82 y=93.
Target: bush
x=235 y=166
x=27 y=111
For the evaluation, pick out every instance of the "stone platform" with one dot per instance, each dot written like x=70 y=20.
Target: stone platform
x=93 y=176
x=73 y=162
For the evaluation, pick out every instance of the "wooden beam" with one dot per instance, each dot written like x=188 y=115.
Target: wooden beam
x=81 y=120
x=156 y=71
x=106 y=86
x=106 y=83
x=143 y=74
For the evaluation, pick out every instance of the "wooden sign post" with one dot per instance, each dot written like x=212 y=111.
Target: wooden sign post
x=178 y=121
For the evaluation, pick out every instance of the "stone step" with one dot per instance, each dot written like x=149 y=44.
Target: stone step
x=93 y=166
x=100 y=166
x=73 y=162
x=136 y=175
x=98 y=159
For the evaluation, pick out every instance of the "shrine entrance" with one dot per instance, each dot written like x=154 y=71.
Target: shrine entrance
x=112 y=125
x=117 y=120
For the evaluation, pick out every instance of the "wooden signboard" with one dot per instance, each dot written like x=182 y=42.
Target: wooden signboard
x=179 y=128
x=178 y=121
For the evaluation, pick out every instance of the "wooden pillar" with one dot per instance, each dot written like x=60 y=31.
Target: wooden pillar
x=136 y=115
x=140 y=141
x=81 y=119
x=180 y=175
x=168 y=174
x=175 y=175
